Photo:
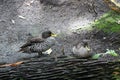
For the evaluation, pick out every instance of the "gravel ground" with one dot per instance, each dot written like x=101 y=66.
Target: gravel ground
x=20 y=18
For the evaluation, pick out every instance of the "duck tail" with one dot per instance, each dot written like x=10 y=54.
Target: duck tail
x=20 y=50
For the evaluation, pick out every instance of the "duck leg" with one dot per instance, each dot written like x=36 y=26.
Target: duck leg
x=39 y=54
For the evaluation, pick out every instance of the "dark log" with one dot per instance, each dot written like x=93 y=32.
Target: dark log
x=64 y=69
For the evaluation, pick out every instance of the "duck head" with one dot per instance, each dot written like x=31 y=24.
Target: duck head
x=47 y=34
x=85 y=45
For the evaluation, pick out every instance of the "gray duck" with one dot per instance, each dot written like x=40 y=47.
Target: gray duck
x=81 y=50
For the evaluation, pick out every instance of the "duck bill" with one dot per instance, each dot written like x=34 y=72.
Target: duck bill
x=87 y=48
x=53 y=35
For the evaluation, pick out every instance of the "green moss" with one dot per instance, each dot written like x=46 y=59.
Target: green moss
x=116 y=73
x=116 y=77
x=109 y=22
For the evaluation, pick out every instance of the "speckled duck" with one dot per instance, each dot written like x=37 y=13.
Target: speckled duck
x=39 y=45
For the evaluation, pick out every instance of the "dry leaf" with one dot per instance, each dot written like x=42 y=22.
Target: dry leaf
x=13 y=21
x=16 y=64
x=29 y=3
x=22 y=17
x=116 y=73
x=5 y=65
x=12 y=65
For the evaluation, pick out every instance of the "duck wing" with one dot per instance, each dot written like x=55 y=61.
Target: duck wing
x=30 y=43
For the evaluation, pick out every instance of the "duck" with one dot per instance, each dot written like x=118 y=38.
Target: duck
x=81 y=50
x=39 y=45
